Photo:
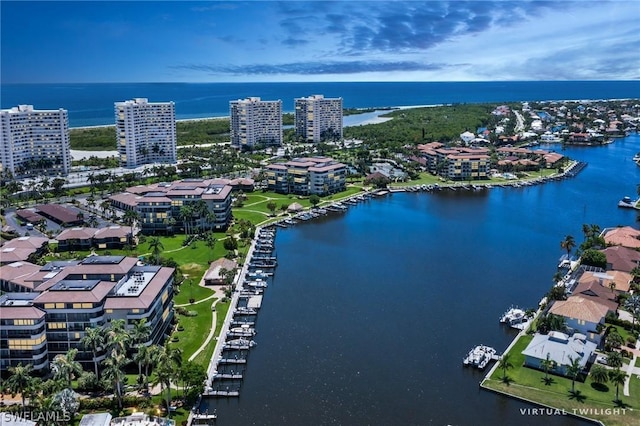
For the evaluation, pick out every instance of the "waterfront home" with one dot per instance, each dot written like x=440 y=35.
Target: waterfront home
x=595 y=286
x=22 y=248
x=559 y=348
x=213 y=276
x=621 y=258
x=625 y=236
x=582 y=316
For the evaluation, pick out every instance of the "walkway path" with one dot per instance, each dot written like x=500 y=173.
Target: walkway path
x=212 y=332
x=632 y=369
x=214 y=295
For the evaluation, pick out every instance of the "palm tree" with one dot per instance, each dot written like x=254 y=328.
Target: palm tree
x=117 y=337
x=104 y=206
x=168 y=365
x=150 y=354
x=546 y=365
x=130 y=217
x=632 y=304
x=573 y=370
x=93 y=340
x=211 y=242
x=114 y=372
x=66 y=367
x=568 y=244
x=139 y=335
x=19 y=380
x=156 y=246
x=614 y=359
x=617 y=377
x=185 y=214
x=599 y=374
x=505 y=364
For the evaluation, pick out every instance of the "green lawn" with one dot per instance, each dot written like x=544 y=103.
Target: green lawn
x=529 y=384
x=204 y=357
x=196 y=328
x=187 y=291
x=623 y=332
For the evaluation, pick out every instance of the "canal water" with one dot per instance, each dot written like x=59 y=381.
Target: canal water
x=371 y=311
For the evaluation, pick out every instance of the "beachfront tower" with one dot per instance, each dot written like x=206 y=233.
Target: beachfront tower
x=34 y=142
x=255 y=123
x=145 y=132
x=318 y=119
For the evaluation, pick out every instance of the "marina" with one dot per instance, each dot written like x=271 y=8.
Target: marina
x=226 y=369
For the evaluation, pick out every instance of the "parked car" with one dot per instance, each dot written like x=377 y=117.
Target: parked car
x=601 y=359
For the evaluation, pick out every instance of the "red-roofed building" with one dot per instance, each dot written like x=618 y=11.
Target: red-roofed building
x=305 y=176
x=159 y=205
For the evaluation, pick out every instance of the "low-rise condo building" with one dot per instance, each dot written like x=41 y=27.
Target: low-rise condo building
x=57 y=302
x=306 y=176
x=203 y=204
x=318 y=119
x=146 y=132
x=255 y=123
x=34 y=142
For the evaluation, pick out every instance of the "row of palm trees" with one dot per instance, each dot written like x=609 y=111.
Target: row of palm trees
x=115 y=343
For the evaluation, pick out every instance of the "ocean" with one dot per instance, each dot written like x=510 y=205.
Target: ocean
x=92 y=104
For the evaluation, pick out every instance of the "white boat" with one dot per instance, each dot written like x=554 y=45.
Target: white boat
x=243 y=330
x=627 y=202
x=258 y=283
x=479 y=356
x=636 y=157
x=513 y=315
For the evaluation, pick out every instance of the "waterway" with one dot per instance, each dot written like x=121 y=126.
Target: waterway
x=371 y=311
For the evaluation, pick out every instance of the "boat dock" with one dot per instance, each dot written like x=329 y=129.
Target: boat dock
x=230 y=356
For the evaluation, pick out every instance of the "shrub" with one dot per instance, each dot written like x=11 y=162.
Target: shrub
x=88 y=381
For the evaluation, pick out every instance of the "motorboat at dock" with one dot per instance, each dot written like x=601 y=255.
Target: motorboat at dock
x=515 y=317
x=480 y=356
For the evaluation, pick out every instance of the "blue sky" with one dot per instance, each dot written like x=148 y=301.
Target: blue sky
x=229 y=41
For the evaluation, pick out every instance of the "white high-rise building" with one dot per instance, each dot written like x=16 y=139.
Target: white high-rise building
x=255 y=122
x=34 y=142
x=318 y=118
x=146 y=132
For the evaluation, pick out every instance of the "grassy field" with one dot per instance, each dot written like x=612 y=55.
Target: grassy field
x=204 y=357
x=196 y=328
x=529 y=384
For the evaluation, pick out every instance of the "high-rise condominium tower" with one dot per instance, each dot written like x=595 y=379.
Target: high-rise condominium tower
x=146 y=132
x=34 y=142
x=318 y=118
x=255 y=122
